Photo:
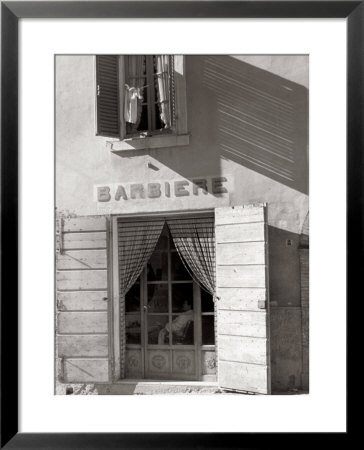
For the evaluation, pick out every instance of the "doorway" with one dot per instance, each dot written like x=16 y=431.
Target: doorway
x=170 y=321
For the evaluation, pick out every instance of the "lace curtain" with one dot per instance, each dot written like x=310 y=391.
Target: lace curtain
x=137 y=241
x=163 y=89
x=159 y=68
x=194 y=239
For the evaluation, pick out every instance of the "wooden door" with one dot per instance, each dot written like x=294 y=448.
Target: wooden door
x=243 y=301
x=154 y=302
x=156 y=349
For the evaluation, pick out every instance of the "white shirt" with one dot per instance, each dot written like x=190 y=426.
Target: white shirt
x=179 y=323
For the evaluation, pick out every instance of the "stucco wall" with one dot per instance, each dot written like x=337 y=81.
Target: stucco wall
x=245 y=123
x=248 y=119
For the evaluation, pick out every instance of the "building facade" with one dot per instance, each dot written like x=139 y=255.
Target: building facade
x=182 y=221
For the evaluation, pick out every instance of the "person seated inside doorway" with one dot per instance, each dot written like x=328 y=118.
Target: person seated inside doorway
x=178 y=324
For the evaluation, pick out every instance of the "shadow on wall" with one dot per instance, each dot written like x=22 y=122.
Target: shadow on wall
x=245 y=114
x=285 y=310
x=284 y=267
x=262 y=120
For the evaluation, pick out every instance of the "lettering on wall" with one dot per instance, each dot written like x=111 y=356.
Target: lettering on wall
x=199 y=188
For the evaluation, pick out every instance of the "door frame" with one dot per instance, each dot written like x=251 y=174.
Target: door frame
x=115 y=304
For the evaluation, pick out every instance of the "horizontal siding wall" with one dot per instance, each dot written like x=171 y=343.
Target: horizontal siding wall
x=82 y=260
x=82 y=330
x=88 y=322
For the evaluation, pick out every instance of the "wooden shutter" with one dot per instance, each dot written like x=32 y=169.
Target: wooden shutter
x=107 y=91
x=82 y=331
x=242 y=304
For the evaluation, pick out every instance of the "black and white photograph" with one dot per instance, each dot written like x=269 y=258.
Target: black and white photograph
x=181 y=213
x=182 y=224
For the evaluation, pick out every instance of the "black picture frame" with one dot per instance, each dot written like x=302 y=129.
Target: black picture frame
x=11 y=12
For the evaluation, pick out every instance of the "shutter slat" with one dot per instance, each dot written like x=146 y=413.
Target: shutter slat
x=108 y=108
x=108 y=119
x=109 y=111
x=108 y=81
x=107 y=92
x=105 y=74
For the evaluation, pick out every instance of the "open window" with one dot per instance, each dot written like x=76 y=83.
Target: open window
x=141 y=101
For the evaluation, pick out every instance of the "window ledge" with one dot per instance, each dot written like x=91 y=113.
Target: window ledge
x=142 y=143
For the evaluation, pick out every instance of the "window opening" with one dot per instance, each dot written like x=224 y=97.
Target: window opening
x=148 y=94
